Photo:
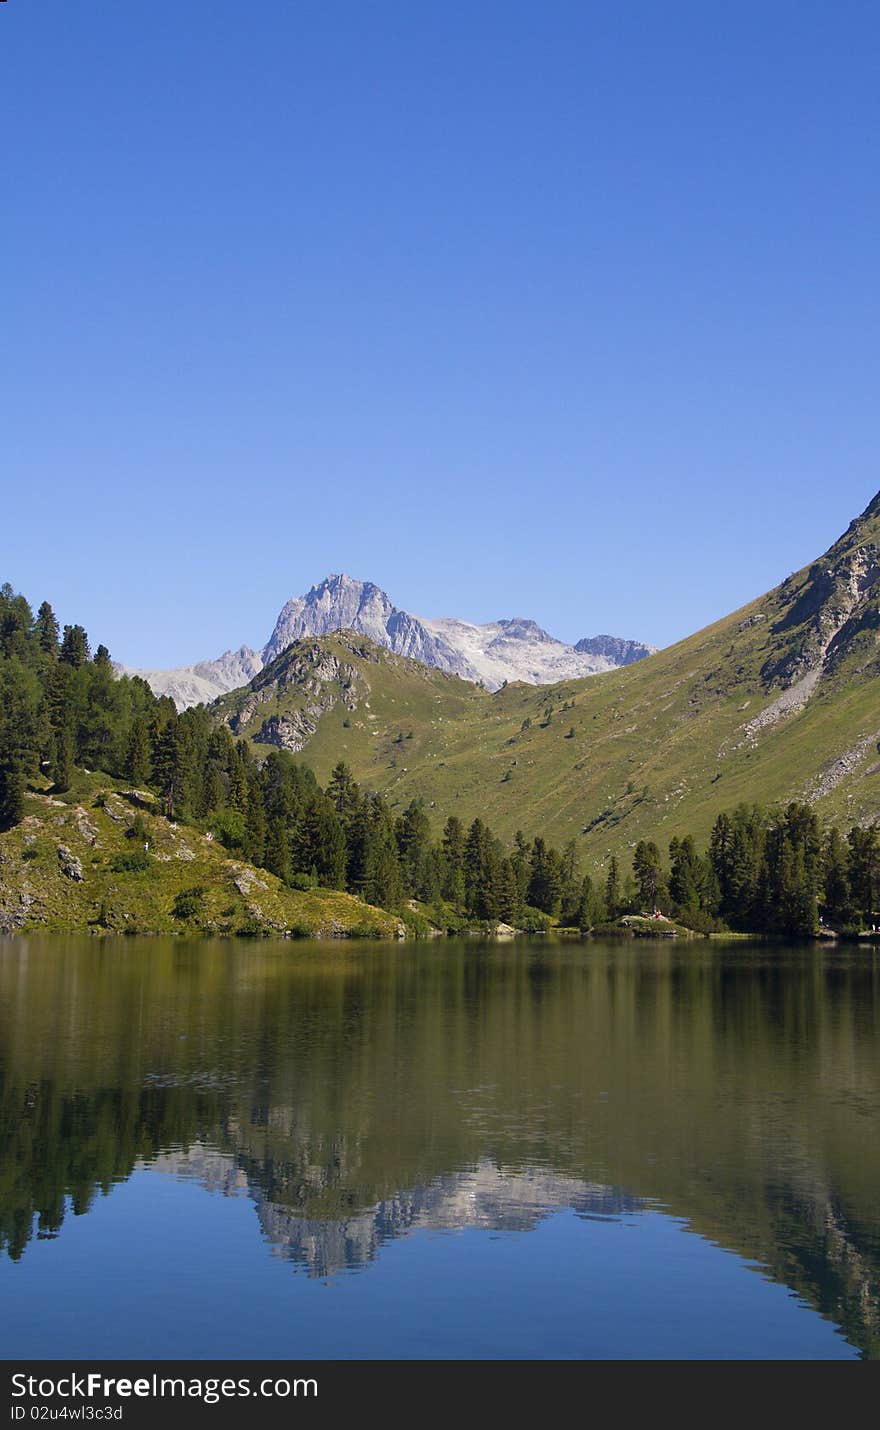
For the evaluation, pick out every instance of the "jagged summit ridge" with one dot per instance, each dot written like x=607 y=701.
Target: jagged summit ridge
x=515 y=648
x=615 y=648
x=341 y=603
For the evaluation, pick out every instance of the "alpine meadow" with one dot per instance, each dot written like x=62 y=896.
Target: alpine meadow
x=439 y=705
x=343 y=767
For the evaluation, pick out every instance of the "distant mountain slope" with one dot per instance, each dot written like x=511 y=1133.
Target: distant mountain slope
x=490 y=654
x=519 y=649
x=615 y=649
x=201 y=683
x=779 y=700
x=340 y=603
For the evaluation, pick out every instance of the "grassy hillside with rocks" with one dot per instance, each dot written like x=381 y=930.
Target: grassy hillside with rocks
x=777 y=701
x=102 y=860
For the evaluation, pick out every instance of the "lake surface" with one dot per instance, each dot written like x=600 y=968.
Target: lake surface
x=221 y=1149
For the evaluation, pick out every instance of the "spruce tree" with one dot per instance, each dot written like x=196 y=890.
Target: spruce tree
x=686 y=876
x=46 y=630
x=510 y=907
x=612 y=890
x=62 y=763
x=477 y=883
x=255 y=822
x=12 y=785
x=139 y=763
x=165 y=765
x=74 y=647
x=647 y=872
x=864 y=871
x=413 y=833
x=277 y=853
x=836 y=892
x=545 y=879
x=453 y=886
x=343 y=792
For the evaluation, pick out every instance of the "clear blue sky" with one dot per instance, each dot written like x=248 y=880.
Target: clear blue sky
x=560 y=309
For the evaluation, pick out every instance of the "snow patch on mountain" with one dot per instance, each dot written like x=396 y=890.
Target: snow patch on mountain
x=500 y=651
x=516 y=649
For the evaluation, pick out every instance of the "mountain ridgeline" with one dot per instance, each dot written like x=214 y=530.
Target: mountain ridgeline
x=711 y=781
x=488 y=655
x=776 y=702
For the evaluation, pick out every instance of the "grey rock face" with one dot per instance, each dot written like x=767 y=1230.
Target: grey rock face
x=340 y=603
x=69 y=864
x=232 y=669
x=501 y=651
x=615 y=648
x=201 y=683
x=322 y=678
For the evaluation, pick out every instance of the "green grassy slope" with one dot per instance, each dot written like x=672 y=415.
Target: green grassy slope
x=779 y=700
x=57 y=874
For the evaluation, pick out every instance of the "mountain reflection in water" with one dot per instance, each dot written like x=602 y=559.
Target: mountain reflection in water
x=359 y=1094
x=485 y=1197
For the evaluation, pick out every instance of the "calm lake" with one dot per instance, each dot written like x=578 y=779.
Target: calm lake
x=455 y=1149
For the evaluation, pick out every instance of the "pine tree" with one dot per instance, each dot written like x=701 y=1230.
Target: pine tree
x=255 y=822
x=318 y=843
x=545 y=879
x=238 y=778
x=864 y=871
x=591 y=909
x=277 y=853
x=382 y=882
x=74 y=647
x=12 y=785
x=571 y=885
x=165 y=765
x=62 y=763
x=453 y=886
x=508 y=900
x=413 y=833
x=343 y=792
x=612 y=890
x=648 y=873
x=46 y=630
x=139 y=764
x=686 y=875
x=479 y=891
x=16 y=623
x=837 y=900
x=520 y=861
x=720 y=857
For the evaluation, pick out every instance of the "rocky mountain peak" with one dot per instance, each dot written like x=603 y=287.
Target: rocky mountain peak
x=339 y=602
x=514 y=648
x=615 y=649
x=520 y=628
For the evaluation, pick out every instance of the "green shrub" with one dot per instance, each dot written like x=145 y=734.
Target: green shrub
x=535 y=921
x=700 y=922
x=417 y=926
x=251 y=927
x=137 y=861
x=447 y=917
x=189 y=903
x=228 y=826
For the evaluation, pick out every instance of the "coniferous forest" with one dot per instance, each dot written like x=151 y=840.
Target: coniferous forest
x=62 y=708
